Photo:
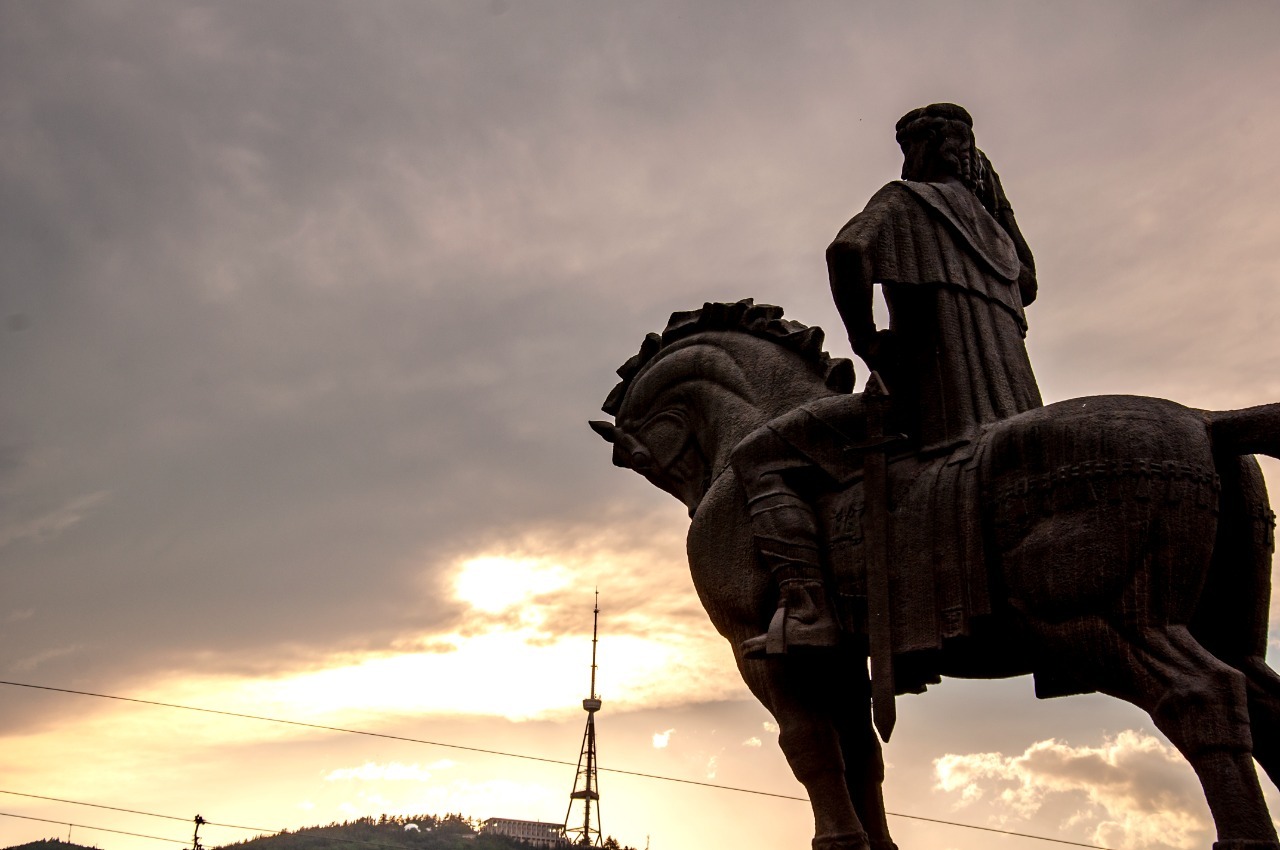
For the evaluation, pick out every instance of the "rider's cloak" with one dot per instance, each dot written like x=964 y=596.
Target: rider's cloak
x=956 y=361
x=949 y=273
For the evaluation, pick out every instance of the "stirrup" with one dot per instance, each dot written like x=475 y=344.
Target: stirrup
x=788 y=631
x=772 y=642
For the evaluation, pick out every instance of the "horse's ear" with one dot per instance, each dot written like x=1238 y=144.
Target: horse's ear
x=604 y=429
x=840 y=376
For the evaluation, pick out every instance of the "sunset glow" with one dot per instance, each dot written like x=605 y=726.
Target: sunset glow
x=306 y=306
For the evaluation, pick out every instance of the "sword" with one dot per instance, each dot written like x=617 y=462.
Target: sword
x=875 y=489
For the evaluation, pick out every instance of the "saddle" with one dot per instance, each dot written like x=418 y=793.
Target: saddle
x=939 y=585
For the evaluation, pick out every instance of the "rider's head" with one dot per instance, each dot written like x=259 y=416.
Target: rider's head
x=937 y=143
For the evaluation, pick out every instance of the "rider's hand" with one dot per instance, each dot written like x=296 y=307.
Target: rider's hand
x=876 y=349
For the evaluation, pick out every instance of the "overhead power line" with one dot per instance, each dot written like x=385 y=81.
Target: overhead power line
x=137 y=812
x=274 y=832
x=484 y=751
x=267 y=833
x=98 y=828
x=263 y=832
x=390 y=737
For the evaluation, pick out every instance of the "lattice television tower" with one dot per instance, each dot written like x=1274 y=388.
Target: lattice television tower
x=585 y=830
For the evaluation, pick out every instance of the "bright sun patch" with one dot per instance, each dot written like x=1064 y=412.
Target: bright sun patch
x=494 y=583
x=522 y=651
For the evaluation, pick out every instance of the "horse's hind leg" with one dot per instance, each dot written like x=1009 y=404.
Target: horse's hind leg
x=1263 y=686
x=1200 y=703
x=1203 y=708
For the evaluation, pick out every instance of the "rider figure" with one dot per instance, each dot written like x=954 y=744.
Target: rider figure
x=956 y=274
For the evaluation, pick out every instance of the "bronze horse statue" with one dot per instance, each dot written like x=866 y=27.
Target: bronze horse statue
x=1125 y=548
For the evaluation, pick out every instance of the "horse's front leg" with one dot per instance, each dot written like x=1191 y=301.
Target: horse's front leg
x=864 y=761
x=806 y=700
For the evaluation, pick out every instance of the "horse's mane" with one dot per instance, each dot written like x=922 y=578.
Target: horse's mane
x=759 y=320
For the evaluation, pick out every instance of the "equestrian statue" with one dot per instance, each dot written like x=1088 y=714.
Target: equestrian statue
x=943 y=521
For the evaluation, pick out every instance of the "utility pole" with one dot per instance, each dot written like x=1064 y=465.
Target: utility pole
x=195 y=839
x=585 y=831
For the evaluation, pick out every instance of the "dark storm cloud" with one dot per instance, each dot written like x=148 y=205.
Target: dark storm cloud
x=304 y=300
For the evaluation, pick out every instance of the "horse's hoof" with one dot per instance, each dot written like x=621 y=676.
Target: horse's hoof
x=842 y=841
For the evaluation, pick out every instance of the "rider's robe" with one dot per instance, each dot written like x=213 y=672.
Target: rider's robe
x=950 y=277
x=938 y=581
x=956 y=362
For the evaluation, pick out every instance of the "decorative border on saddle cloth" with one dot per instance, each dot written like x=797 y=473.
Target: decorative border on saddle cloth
x=1268 y=518
x=1092 y=482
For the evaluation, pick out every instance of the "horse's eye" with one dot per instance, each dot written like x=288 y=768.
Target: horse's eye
x=664 y=436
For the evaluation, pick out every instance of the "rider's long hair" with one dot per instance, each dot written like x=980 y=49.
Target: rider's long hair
x=946 y=131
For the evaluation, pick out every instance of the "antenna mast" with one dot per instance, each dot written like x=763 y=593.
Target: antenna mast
x=585 y=831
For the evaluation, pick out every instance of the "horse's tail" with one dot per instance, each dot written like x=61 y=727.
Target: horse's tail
x=1232 y=620
x=1251 y=431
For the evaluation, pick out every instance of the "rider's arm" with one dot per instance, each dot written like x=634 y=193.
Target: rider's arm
x=853 y=288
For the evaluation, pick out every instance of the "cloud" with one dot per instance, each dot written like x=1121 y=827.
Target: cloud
x=48 y=525
x=661 y=739
x=493 y=584
x=484 y=799
x=31 y=662
x=331 y=303
x=753 y=741
x=521 y=648
x=333 y=348
x=323 y=296
x=392 y=772
x=1133 y=791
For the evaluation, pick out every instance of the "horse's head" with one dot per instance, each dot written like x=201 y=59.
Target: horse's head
x=713 y=376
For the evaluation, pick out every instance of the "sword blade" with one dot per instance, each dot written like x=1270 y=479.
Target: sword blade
x=884 y=711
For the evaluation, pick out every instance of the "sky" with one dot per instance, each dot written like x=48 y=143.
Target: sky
x=305 y=306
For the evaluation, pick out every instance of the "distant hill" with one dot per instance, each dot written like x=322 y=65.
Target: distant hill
x=50 y=844
x=451 y=832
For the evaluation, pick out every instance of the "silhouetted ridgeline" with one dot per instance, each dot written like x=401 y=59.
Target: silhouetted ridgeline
x=50 y=844
x=451 y=832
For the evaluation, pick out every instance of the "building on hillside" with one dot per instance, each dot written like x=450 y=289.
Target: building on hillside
x=534 y=832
